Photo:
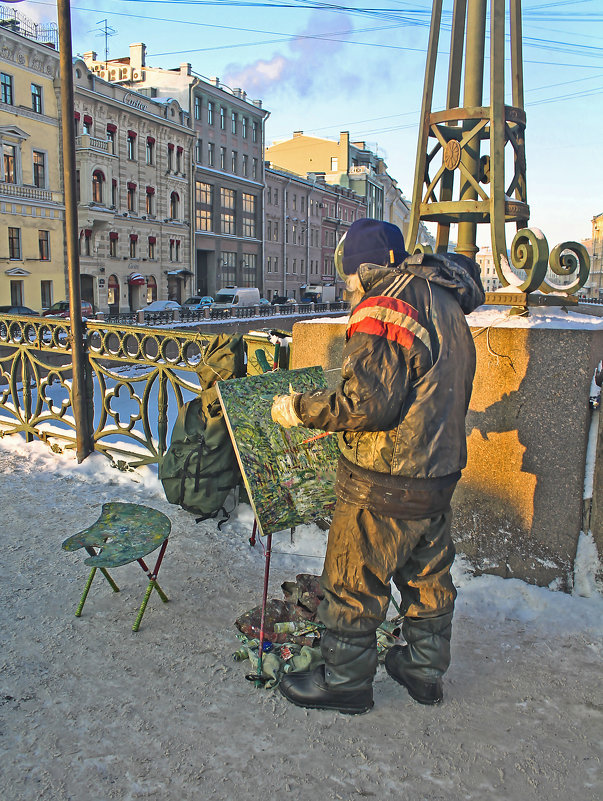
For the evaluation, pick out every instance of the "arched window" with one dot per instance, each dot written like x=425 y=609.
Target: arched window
x=151 y=289
x=98 y=179
x=174 y=205
x=113 y=291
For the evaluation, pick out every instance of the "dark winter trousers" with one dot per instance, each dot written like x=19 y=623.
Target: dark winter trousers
x=364 y=552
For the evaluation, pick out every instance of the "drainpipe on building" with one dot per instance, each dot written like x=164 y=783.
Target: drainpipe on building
x=263 y=245
x=285 y=237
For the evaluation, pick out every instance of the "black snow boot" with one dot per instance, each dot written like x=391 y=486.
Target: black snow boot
x=420 y=664
x=344 y=682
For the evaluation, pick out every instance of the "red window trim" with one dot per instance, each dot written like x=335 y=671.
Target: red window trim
x=152 y=240
x=171 y=241
x=150 y=190
x=179 y=149
x=151 y=140
x=111 y=127
x=76 y=115
x=170 y=146
x=113 y=235
x=113 y=182
x=87 y=119
x=87 y=233
x=132 y=134
x=133 y=237
x=131 y=185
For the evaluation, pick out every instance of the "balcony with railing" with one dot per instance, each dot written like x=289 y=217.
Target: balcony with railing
x=25 y=192
x=87 y=142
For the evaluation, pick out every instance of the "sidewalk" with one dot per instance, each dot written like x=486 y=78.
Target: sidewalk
x=90 y=711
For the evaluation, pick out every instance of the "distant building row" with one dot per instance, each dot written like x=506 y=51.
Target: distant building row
x=174 y=195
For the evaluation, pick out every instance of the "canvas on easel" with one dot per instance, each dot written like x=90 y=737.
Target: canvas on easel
x=289 y=473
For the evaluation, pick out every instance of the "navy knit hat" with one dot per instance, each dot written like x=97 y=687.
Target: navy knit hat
x=373 y=242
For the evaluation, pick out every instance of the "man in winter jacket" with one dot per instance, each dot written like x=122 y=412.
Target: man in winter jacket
x=407 y=374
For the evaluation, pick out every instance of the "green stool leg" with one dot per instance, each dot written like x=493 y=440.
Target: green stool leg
x=145 y=601
x=161 y=593
x=78 y=611
x=105 y=573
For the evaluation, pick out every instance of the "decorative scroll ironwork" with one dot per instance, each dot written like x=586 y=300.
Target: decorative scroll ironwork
x=530 y=253
x=137 y=380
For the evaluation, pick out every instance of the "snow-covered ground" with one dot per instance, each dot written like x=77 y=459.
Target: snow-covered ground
x=90 y=711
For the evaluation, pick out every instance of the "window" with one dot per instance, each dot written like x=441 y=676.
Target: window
x=269 y=264
x=229 y=268
x=14 y=244
x=248 y=215
x=150 y=201
x=111 y=130
x=177 y=250
x=133 y=245
x=244 y=127
x=113 y=291
x=222 y=118
x=276 y=264
x=36 y=98
x=131 y=145
x=199 y=151
x=85 y=238
x=179 y=152
x=46 y=294
x=170 y=156
x=113 y=237
x=174 y=205
x=113 y=193
x=87 y=126
x=222 y=158
x=269 y=194
x=269 y=230
x=204 y=201
x=248 y=278
x=276 y=197
x=98 y=179
x=151 y=288
x=16 y=293
x=131 y=197
x=254 y=132
x=233 y=161
x=211 y=149
x=44 y=245
x=150 y=150
x=210 y=113
x=10 y=163
x=197 y=107
x=152 y=246
x=275 y=231
x=227 y=211
x=233 y=122
x=302 y=204
x=254 y=169
x=334 y=163
x=6 y=82
x=245 y=164
x=39 y=169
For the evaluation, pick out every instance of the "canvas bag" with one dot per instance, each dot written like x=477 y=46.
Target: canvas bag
x=200 y=467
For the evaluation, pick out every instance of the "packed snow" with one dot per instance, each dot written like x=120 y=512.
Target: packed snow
x=91 y=711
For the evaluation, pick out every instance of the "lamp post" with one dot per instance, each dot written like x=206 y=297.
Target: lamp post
x=84 y=444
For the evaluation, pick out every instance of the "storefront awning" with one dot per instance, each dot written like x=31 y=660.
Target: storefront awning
x=136 y=279
x=180 y=273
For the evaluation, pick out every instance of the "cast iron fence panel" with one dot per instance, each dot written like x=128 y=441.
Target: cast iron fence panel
x=137 y=379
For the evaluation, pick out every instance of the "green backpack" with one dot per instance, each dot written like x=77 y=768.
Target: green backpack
x=200 y=467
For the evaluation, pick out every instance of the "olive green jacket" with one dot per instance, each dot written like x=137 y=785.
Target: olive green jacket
x=407 y=374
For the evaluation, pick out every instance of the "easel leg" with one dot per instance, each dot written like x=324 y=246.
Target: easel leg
x=258 y=681
x=91 y=552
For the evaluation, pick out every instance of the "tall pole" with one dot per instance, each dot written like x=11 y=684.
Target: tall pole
x=78 y=389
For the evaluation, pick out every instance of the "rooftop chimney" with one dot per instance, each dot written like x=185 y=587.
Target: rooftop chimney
x=138 y=53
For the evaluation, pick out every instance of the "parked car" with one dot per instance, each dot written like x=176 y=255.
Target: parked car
x=198 y=302
x=18 y=310
x=61 y=309
x=161 y=305
x=264 y=302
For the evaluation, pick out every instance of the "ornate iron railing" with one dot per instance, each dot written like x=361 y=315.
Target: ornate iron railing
x=137 y=379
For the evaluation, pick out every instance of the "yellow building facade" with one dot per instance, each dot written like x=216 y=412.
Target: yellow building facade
x=32 y=211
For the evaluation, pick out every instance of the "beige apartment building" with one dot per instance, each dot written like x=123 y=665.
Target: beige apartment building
x=490 y=279
x=32 y=211
x=134 y=179
x=304 y=220
x=228 y=165
x=594 y=287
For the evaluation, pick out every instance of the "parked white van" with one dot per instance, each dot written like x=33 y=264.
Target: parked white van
x=231 y=297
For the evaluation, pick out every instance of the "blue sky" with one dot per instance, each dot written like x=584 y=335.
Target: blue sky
x=323 y=69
